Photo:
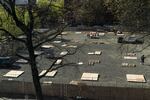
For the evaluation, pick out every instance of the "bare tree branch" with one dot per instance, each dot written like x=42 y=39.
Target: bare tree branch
x=22 y=57
x=60 y=66
x=56 y=58
x=31 y=22
x=52 y=35
x=6 y=5
x=145 y=35
x=9 y=6
x=48 y=69
x=143 y=48
x=12 y=36
x=1 y=22
x=68 y=64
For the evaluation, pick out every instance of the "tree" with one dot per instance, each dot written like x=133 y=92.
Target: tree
x=26 y=27
x=93 y=12
x=132 y=14
x=47 y=19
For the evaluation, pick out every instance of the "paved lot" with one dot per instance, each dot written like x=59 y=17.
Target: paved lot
x=110 y=70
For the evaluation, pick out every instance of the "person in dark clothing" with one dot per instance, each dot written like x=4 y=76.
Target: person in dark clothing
x=142 y=59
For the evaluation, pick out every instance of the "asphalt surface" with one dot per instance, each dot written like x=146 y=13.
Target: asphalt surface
x=110 y=71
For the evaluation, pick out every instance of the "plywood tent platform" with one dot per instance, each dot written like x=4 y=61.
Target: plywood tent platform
x=72 y=46
x=49 y=74
x=95 y=53
x=92 y=62
x=57 y=42
x=63 y=53
x=101 y=34
x=131 y=54
x=59 y=61
x=135 y=78
x=80 y=63
x=64 y=33
x=47 y=82
x=98 y=52
x=79 y=83
x=13 y=73
x=38 y=52
x=22 y=61
x=130 y=57
x=78 y=32
x=90 y=76
x=120 y=34
x=128 y=65
x=63 y=45
x=47 y=46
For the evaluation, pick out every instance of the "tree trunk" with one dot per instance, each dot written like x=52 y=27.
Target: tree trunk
x=34 y=69
x=36 y=80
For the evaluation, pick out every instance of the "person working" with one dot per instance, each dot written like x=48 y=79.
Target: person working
x=142 y=59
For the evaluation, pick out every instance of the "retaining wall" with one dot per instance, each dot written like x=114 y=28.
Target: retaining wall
x=68 y=90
